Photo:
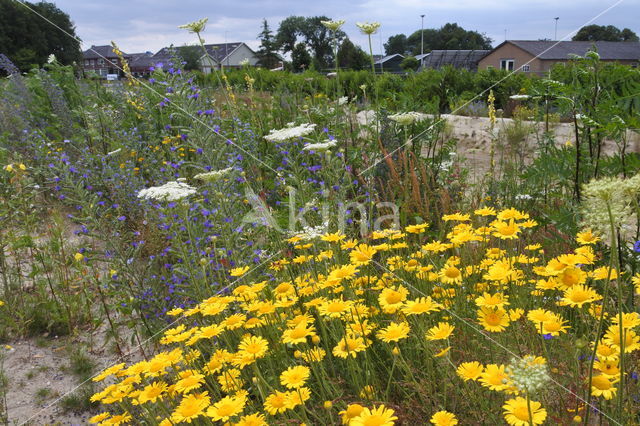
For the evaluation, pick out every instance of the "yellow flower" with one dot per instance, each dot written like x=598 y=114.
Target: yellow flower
x=79 y=257
x=440 y=332
x=349 y=346
x=378 y=416
x=420 y=305
x=494 y=377
x=516 y=412
x=394 y=332
x=391 y=300
x=362 y=254
x=353 y=410
x=256 y=419
x=191 y=407
x=238 y=272
x=227 y=407
x=295 y=377
x=450 y=275
x=277 y=402
x=458 y=217
x=152 y=392
x=505 y=230
x=416 y=229
x=587 y=237
x=578 y=295
x=333 y=238
x=255 y=346
x=189 y=381
x=99 y=417
x=497 y=300
x=470 y=370
x=493 y=319
x=602 y=386
x=444 y=418
x=298 y=334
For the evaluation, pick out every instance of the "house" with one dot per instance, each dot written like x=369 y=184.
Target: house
x=389 y=63
x=539 y=56
x=140 y=64
x=227 y=55
x=102 y=61
x=462 y=59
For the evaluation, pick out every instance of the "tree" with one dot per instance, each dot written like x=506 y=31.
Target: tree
x=317 y=38
x=396 y=44
x=410 y=63
x=352 y=57
x=191 y=55
x=267 y=56
x=27 y=39
x=300 y=58
x=604 y=33
x=449 y=36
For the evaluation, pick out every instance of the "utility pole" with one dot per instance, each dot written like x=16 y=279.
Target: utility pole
x=422 y=41
x=555 y=37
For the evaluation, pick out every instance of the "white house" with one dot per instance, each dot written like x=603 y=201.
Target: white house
x=227 y=55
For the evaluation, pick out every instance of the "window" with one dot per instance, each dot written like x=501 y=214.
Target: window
x=86 y=62
x=525 y=68
x=101 y=61
x=507 y=64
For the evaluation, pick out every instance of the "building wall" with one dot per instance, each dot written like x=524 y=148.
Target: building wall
x=238 y=55
x=102 y=66
x=510 y=51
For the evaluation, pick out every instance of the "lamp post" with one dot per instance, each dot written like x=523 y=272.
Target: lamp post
x=555 y=37
x=422 y=41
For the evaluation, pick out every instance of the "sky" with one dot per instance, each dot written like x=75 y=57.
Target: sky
x=148 y=25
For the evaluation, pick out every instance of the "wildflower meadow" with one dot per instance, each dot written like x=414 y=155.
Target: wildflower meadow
x=258 y=248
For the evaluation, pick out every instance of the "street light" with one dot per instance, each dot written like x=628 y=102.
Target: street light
x=555 y=37
x=422 y=41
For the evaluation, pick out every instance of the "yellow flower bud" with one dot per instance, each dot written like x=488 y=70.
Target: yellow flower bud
x=328 y=405
x=315 y=339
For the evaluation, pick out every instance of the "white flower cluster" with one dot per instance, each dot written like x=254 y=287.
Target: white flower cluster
x=213 y=175
x=368 y=27
x=609 y=195
x=333 y=25
x=170 y=191
x=321 y=146
x=290 y=132
x=406 y=118
x=528 y=374
x=195 y=26
x=519 y=97
x=312 y=232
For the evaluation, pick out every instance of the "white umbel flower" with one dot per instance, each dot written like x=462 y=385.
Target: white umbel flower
x=170 y=191
x=528 y=373
x=368 y=27
x=213 y=175
x=195 y=26
x=290 y=132
x=321 y=146
x=406 y=118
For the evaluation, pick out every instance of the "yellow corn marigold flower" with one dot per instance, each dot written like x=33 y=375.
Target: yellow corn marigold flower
x=255 y=346
x=631 y=339
x=602 y=386
x=335 y=308
x=421 y=305
x=629 y=320
x=238 y=272
x=152 y=392
x=352 y=411
x=458 y=217
x=449 y=274
x=396 y=331
x=578 y=295
x=362 y=254
x=495 y=377
x=538 y=316
x=587 y=237
x=470 y=370
x=378 y=416
x=391 y=300
x=191 y=407
x=189 y=381
x=515 y=314
x=440 y=332
x=99 y=417
x=485 y=211
x=295 y=377
x=554 y=326
x=497 y=300
x=493 y=319
x=416 y=229
x=505 y=230
x=333 y=238
x=256 y=419
x=227 y=407
x=444 y=418
x=298 y=334
x=603 y=272
x=277 y=402
x=349 y=346
x=516 y=412
x=609 y=369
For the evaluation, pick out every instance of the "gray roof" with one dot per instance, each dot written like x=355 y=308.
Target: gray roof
x=559 y=50
x=220 y=51
x=387 y=58
x=142 y=60
x=457 y=58
x=96 y=52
